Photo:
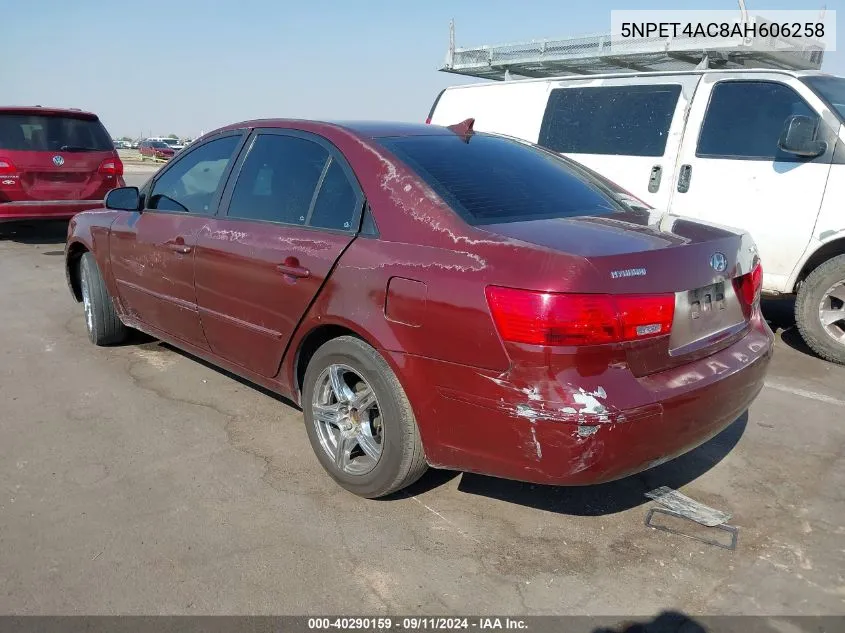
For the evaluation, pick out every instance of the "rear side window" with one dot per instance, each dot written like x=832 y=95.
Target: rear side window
x=489 y=179
x=293 y=180
x=52 y=133
x=619 y=120
x=278 y=179
x=745 y=119
x=335 y=206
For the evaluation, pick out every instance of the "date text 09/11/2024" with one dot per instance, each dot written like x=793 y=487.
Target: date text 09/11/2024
x=416 y=623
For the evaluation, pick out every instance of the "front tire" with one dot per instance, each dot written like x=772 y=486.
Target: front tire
x=820 y=310
x=359 y=421
x=101 y=321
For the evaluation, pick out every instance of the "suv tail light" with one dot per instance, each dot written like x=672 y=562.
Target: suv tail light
x=7 y=167
x=748 y=288
x=544 y=318
x=111 y=167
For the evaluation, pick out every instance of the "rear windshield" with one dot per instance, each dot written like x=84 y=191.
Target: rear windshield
x=490 y=179
x=52 y=133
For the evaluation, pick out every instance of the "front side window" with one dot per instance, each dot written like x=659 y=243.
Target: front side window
x=616 y=120
x=745 y=119
x=831 y=89
x=191 y=184
x=293 y=180
x=488 y=179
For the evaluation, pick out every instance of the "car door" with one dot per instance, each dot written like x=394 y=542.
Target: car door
x=731 y=171
x=285 y=220
x=152 y=252
x=628 y=130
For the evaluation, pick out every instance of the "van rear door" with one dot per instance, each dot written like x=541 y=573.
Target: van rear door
x=628 y=129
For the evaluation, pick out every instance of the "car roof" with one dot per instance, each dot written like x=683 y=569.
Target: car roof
x=364 y=129
x=36 y=110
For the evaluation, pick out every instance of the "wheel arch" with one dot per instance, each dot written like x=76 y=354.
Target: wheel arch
x=74 y=252
x=309 y=343
x=824 y=252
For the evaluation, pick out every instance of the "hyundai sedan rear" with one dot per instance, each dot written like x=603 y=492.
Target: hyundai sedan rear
x=54 y=163
x=434 y=296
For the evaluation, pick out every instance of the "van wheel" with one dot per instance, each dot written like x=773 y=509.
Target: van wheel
x=103 y=325
x=820 y=310
x=359 y=421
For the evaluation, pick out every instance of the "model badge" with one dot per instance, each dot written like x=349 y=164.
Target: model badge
x=718 y=262
x=628 y=272
x=58 y=161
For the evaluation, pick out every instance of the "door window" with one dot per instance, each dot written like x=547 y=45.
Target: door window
x=190 y=185
x=618 y=120
x=292 y=180
x=746 y=118
x=335 y=206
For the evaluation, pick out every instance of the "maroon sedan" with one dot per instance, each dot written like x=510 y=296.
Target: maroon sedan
x=155 y=150
x=434 y=296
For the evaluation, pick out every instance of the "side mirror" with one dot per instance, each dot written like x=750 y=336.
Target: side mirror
x=124 y=199
x=799 y=137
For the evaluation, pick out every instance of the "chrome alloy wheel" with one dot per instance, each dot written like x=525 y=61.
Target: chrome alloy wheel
x=347 y=419
x=832 y=312
x=86 y=302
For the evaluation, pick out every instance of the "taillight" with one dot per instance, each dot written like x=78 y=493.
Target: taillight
x=111 y=167
x=7 y=167
x=428 y=120
x=748 y=288
x=545 y=318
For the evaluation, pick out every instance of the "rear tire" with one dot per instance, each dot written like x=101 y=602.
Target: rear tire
x=820 y=310
x=371 y=423
x=101 y=321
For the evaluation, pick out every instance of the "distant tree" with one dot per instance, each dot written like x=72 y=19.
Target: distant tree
x=125 y=138
x=172 y=136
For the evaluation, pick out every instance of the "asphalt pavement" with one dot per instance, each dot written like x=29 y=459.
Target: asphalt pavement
x=136 y=479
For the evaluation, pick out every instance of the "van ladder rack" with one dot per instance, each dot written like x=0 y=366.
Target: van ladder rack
x=592 y=54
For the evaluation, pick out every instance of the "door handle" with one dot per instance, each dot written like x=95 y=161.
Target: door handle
x=291 y=268
x=178 y=245
x=654 y=179
x=684 y=178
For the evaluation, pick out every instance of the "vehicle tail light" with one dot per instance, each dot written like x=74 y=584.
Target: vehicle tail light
x=428 y=120
x=544 y=318
x=748 y=288
x=111 y=167
x=7 y=167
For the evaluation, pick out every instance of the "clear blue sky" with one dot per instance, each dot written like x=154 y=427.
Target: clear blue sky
x=181 y=66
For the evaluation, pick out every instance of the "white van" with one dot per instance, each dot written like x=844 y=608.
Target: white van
x=762 y=150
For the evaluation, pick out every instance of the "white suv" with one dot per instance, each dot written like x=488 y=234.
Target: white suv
x=763 y=150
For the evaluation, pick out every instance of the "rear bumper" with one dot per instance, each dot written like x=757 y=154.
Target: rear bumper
x=573 y=429
x=45 y=209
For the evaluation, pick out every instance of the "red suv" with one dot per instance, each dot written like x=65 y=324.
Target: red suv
x=54 y=163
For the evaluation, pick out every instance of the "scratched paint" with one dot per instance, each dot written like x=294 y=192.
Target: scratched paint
x=550 y=400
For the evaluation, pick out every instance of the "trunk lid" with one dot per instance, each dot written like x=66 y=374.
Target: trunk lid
x=652 y=253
